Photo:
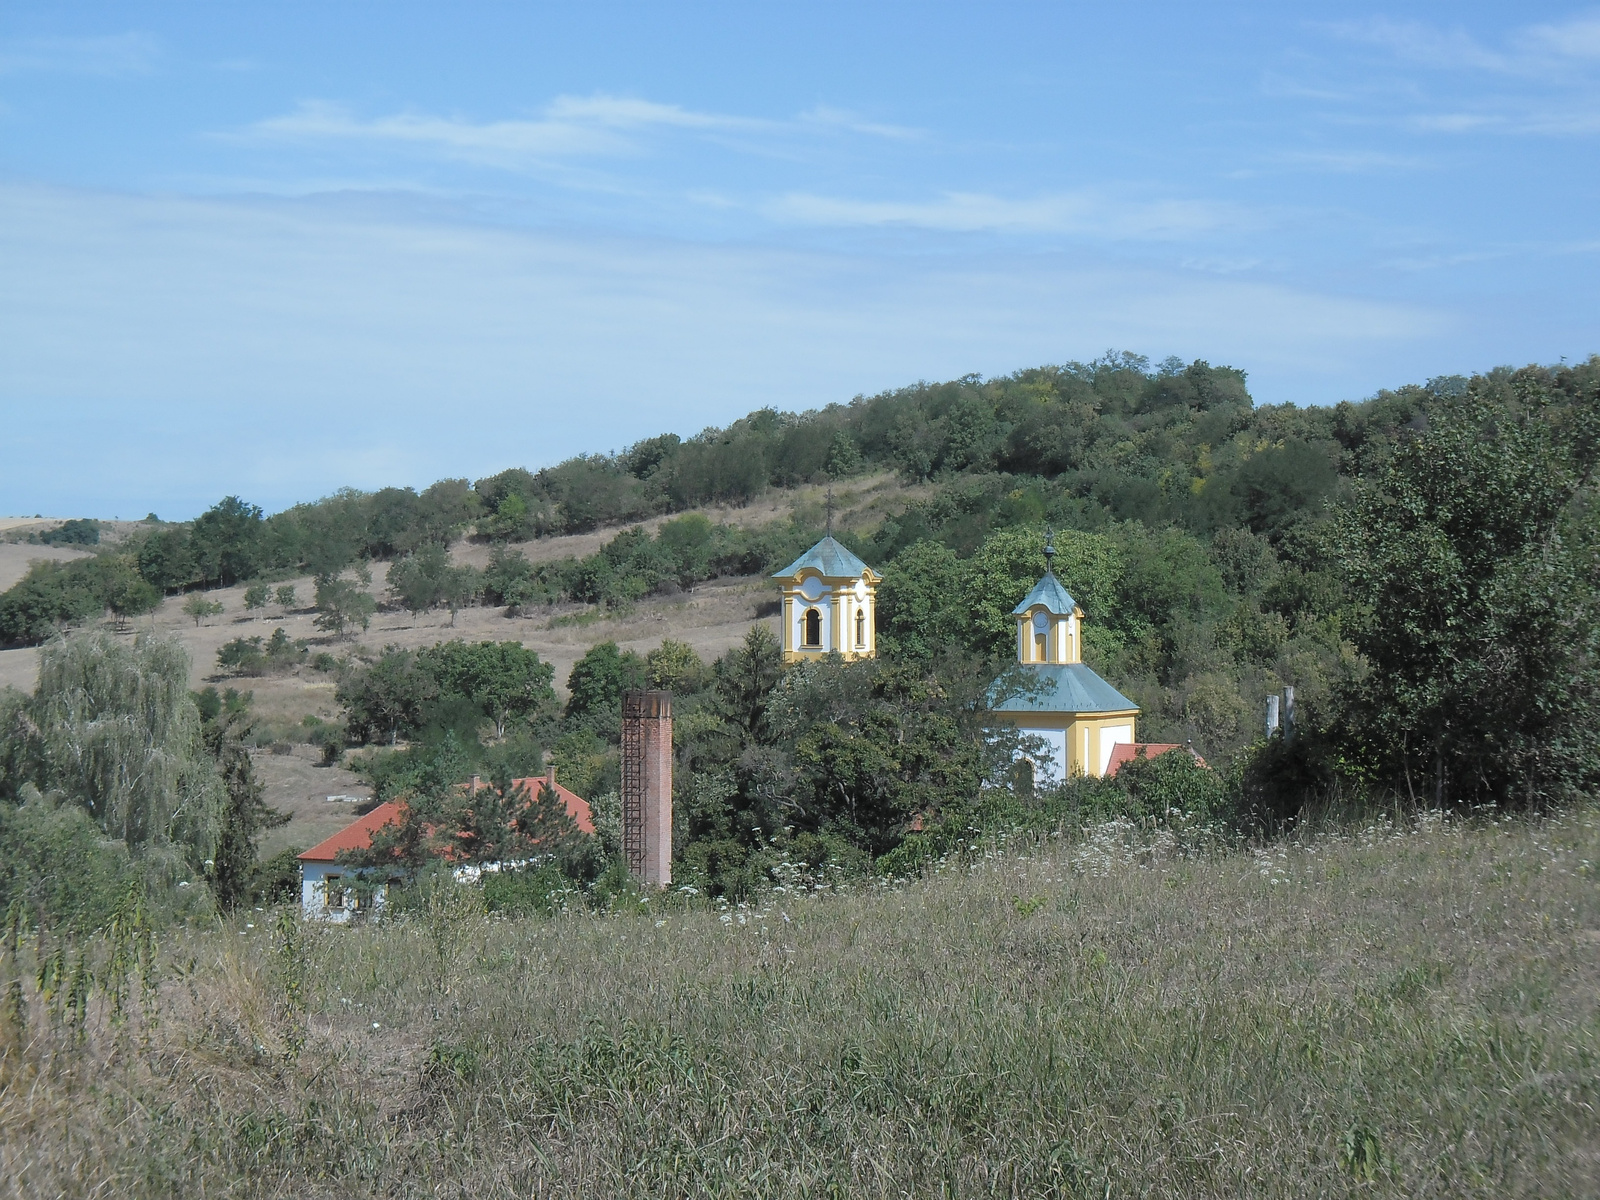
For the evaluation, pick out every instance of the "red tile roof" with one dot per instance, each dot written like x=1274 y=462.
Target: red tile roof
x=356 y=836
x=577 y=806
x=1124 y=752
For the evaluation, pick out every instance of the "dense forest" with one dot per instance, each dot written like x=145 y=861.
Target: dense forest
x=1420 y=566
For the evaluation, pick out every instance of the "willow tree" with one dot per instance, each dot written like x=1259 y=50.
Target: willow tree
x=115 y=730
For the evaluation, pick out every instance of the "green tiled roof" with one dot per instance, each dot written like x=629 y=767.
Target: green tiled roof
x=1048 y=592
x=1066 y=687
x=828 y=558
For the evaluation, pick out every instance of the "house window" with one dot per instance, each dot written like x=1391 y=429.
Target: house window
x=861 y=629
x=333 y=889
x=812 y=624
x=1041 y=629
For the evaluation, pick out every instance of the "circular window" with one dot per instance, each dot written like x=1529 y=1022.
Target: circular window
x=1041 y=623
x=811 y=589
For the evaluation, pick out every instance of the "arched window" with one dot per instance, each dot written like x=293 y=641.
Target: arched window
x=812 y=627
x=861 y=628
x=1041 y=629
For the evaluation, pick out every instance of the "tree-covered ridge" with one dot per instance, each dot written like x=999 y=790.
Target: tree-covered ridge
x=1080 y=445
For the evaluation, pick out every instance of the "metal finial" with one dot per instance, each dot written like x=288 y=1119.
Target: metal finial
x=830 y=509
x=1049 y=549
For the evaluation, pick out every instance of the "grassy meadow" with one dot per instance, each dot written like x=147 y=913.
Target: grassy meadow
x=1380 y=1010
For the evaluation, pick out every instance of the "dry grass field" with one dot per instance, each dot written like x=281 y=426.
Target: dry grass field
x=1379 y=1011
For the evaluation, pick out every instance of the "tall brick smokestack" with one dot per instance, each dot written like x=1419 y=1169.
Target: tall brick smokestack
x=647 y=786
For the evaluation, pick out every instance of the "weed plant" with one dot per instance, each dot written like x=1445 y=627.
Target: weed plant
x=1390 y=1009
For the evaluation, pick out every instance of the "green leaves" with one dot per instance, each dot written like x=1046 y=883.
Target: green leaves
x=1472 y=559
x=343 y=603
x=930 y=598
x=599 y=678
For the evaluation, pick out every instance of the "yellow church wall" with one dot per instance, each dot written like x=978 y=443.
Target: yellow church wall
x=839 y=605
x=1089 y=739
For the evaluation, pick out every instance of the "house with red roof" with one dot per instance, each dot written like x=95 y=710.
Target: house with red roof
x=327 y=891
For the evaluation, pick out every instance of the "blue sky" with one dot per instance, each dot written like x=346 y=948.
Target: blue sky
x=277 y=249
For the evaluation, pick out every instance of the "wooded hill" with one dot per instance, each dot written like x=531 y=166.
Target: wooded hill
x=1421 y=566
x=1081 y=445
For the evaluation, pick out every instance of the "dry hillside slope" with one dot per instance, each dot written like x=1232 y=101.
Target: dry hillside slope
x=712 y=618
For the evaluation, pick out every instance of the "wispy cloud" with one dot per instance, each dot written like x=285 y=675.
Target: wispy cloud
x=1421 y=43
x=1539 y=79
x=840 y=118
x=973 y=212
x=509 y=143
x=1533 y=50
x=118 y=55
x=567 y=127
x=1577 y=39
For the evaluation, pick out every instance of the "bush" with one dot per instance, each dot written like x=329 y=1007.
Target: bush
x=55 y=860
x=543 y=891
x=73 y=533
x=277 y=879
x=249 y=656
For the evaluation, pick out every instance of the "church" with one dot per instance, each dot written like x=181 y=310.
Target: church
x=829 y=598
x=1079 y=717
x=829 y=604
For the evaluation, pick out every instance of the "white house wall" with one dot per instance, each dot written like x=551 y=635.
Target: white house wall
x=313 y=893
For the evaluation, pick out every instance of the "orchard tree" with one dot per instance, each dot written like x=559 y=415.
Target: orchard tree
x=200 y=606
x=342 y=603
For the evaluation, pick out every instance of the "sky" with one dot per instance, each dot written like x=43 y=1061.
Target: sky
x=277 y=249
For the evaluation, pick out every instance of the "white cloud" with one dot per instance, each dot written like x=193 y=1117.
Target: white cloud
x=1536 y=80
x=116 y=55
x=497 y=143
x=622 y=112
x=970 y=212
x=567 y=127
x=1534 y=51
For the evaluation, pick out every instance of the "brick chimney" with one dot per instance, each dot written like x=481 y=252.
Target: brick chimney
x=647 y=786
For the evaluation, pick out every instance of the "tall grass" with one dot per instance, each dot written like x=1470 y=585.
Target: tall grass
x=1390 y=1010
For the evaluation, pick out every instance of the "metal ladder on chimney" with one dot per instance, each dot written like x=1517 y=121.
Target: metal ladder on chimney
x=633 y=793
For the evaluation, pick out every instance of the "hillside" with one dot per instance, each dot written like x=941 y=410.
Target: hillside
x=1417 y=567
x=1372 y=1011
x=713 y=617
